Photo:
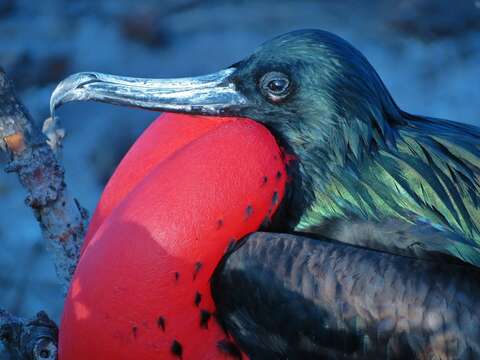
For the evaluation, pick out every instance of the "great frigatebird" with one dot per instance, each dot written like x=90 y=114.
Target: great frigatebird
x=389 y=202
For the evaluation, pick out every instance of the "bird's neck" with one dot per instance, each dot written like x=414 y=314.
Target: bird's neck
x=324 y=154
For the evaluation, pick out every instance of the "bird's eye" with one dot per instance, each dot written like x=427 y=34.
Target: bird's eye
x=275 y=86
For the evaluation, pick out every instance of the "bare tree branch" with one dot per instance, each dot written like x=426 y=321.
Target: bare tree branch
x=62 y=220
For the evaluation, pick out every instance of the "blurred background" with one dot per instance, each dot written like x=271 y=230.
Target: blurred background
x=426 y=51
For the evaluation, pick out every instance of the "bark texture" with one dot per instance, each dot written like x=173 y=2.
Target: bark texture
x=62 y=220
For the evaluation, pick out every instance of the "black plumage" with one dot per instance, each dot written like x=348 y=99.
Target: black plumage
x=290 y=297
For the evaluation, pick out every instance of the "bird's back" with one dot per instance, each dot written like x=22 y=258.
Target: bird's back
x=430 y=177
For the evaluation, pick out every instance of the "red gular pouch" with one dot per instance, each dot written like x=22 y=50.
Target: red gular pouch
x=188 y=187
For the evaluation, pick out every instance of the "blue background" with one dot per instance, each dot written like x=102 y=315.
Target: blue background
x=426 y=51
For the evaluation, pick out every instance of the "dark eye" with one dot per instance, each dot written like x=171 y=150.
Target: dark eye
x=278 y=86
x=275 y=86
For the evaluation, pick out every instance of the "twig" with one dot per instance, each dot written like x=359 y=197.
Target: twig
x=62 y=220
x=34 y=339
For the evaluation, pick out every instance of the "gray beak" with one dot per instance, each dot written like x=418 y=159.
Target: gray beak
x=211 y=94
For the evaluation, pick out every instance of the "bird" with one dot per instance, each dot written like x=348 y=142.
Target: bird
x=375 y=248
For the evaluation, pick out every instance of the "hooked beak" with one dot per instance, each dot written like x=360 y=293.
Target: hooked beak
x=212 y=94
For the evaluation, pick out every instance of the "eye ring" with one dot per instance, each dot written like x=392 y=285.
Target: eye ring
x=275 y=86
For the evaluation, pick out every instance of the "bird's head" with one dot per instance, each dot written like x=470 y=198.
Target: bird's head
x=310 y=87
x=318 y=95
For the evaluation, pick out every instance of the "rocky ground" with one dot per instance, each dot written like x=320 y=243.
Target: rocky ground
x=426 y=51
